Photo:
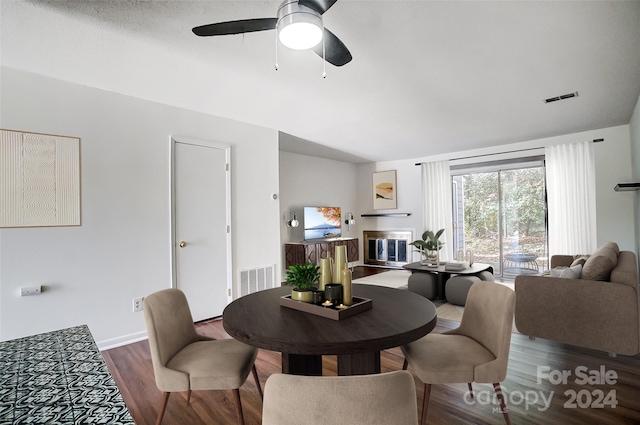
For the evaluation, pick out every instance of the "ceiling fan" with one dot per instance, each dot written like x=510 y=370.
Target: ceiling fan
x=299 y=25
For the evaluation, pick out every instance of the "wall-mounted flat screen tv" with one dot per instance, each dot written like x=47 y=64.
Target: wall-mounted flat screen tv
x=322 y=223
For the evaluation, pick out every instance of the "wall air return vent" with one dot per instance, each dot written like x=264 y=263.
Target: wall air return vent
x=563 y=97
x=256 y=279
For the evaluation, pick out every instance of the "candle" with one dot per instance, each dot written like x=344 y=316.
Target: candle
x=341 y=307
x=327 y=303
x=333 y=292
x=318 y=296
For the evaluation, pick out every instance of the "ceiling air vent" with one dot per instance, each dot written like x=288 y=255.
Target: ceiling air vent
x=563 y=97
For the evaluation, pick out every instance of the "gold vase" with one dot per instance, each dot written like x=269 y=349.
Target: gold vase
x=326 y=272
x=347 y=295
x=340 y=263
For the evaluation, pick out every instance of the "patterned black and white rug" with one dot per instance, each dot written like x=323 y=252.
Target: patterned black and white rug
x=58 y=377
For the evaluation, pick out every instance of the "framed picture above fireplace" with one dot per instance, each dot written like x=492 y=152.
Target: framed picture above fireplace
x=385 y=192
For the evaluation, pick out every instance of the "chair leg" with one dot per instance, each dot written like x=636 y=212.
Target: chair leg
x=405 y=364
x=236 y=395
x=470 y=389
x=503 y=406
x=425 y=404
x=255 y=376
x=188 y=397
x=163 y=407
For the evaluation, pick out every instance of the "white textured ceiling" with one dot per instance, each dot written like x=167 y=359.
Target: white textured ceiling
x=427 y=77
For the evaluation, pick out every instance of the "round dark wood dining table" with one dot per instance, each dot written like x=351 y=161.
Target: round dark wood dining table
x=397 y=317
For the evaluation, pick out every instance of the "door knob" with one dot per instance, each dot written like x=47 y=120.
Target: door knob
x=183 y=244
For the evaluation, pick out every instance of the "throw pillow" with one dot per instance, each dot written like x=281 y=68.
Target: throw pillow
x=600 y=263
x=555 y=272
x=613 y=246
x=572 y=272
x=580 y=259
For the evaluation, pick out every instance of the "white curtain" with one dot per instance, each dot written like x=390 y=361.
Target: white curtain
x=436 y=188
x=571 y=182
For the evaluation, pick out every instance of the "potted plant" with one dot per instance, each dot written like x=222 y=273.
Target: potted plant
x=429 y=246
x=303 y=278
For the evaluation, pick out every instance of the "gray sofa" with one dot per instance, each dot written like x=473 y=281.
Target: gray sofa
x=598 y=310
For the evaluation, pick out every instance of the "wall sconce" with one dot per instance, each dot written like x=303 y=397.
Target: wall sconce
x=349 y=219
x=294 y=220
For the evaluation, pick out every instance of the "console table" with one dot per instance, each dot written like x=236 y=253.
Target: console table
x=313 y=251
x=58 y=377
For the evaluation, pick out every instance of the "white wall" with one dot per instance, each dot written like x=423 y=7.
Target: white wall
x=634 y=131
x=615 y=210
x=409 y=192
x=312 y=181
x=122 y=250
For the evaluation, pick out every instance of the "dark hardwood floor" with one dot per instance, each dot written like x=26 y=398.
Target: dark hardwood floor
x=131 y=368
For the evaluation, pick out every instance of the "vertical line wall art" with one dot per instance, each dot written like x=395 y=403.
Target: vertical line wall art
x=39 y=180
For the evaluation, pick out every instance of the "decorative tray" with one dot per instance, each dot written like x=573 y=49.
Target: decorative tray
x=359 y=305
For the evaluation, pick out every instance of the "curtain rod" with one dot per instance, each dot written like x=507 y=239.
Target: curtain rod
x=499 y=153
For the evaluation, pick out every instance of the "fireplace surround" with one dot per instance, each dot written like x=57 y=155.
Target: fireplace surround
x=389 y=248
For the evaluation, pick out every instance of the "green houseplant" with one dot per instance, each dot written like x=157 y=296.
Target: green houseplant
x=303 y=277
x=429 y=246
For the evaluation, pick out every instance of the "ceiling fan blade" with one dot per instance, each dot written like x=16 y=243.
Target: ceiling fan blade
x=319 y=6
x=236 y=27
x=336 y=53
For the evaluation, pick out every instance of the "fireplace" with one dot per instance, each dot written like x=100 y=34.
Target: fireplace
x=387 y=247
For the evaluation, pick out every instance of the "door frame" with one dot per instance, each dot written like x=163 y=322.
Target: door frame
x=173 y=237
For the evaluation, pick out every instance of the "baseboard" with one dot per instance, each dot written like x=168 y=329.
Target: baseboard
x=108 y=344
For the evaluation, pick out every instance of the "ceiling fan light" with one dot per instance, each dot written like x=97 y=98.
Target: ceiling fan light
x=300 y=35
x=299 y=27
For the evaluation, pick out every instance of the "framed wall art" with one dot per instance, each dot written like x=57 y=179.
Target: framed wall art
x=385 y=191
x=39 y=180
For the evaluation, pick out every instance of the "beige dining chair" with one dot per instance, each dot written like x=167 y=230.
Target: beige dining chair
x=477 y=351
x=184 y=360
x=379 y=399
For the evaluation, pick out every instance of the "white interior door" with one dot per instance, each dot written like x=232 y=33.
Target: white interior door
x=201 y=219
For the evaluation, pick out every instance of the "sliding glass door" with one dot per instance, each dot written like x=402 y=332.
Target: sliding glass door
x=499 y=214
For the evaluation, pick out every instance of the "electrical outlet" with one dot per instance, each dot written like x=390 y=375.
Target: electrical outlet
x=137 y=304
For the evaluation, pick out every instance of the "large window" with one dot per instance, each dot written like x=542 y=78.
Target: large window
x=499 y=213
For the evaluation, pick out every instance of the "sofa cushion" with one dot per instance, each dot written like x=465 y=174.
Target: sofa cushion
x=572 y=272
x=601 y=262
